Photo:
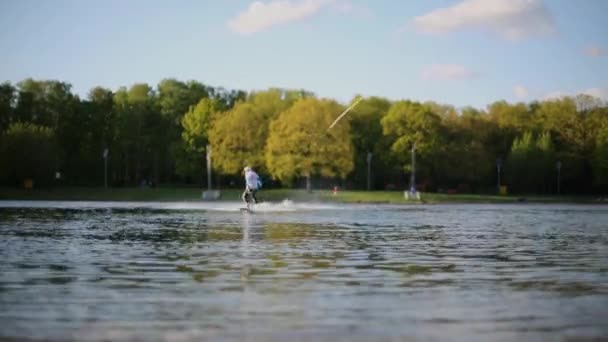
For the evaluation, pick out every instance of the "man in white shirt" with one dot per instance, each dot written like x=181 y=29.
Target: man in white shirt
x=252 y=184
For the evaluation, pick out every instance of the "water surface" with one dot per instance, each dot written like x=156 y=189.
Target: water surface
x=309 y=272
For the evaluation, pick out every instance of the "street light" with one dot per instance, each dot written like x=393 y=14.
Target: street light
x=413 y=176
x=412 y=194
x=210 y=194
x=209 y=167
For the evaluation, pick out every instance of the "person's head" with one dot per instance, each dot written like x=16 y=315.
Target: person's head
x=247 y=169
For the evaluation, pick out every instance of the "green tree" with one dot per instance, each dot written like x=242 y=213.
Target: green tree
x=195 y=137
x=44 y=102
x=366 y=129
x=545 y=163
x=237 y=139
x=413 y=124
x=531 y=164
x=124 y=123
x=196 y=124
x=161 y=135
x=517 y=162
x=139 y=126
x=26 y=151
x=445 y=111
x=466 y=156
x=510 y=120
x=8 y=100
x=30 y=101
x=561 y=118
x=92 y=129
x=51 y=103
x=271 y=102
x=251 y=117
x=600 y=157
x=516 y=117
x=101 y=100
x=227 y=99
x=174 y=99
x=573 y=124
x=300 y=144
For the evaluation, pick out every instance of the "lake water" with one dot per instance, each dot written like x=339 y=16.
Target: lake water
x=302 y=272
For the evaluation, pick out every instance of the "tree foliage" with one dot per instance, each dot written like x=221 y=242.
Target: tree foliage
x=196 y=124
x=300 y=144
x=158 y=133
x=239 y=136
x=531 y=162
x=600 y=157
x=7 y=105
x=26 y=152
x=412 y=124
x=237 y=139
x=368 y=137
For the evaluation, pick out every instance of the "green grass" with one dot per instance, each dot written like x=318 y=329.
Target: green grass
x=194 y=194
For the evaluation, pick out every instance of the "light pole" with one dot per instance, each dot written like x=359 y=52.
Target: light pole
x=558 y=165
x=209 y=194
x=369 y=170
x=209 y=167
x=105 y=168
x=413 y=176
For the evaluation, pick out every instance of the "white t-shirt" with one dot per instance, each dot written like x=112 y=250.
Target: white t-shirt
x=252 y=179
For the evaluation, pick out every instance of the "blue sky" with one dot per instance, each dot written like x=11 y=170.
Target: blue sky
x=461 y=52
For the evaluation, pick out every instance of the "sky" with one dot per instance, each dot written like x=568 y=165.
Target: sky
x=459 y=52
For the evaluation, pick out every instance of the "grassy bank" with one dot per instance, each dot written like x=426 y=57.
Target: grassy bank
x=194 y=194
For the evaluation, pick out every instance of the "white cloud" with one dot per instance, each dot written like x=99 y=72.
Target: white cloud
x=348 y=7
x=447 y=72
x=596 y=51
x=520 y=92
x=261 y=16
x=345 y=7
x=511 y=19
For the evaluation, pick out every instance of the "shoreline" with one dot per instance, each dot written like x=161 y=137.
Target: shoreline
x=176 y=194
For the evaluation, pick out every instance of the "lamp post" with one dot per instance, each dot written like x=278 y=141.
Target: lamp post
x=209 y=167
x=210 y=194
x=413 y=176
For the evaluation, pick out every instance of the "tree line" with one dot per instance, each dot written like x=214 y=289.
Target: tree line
x=160 y=135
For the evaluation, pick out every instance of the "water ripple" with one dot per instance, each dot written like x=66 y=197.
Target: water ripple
x=462 y=272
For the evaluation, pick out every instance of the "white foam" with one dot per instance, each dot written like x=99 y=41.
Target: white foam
x=222 y=206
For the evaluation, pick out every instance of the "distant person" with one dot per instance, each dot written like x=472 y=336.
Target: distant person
x=252 y=184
